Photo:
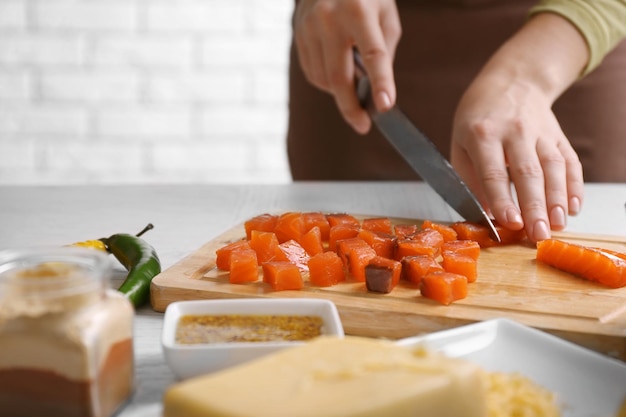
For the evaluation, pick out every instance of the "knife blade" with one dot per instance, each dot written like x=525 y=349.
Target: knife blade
x=422 y=155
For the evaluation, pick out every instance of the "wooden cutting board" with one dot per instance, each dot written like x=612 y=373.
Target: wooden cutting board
x=511 y=283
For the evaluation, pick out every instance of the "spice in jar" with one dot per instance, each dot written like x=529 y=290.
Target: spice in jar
x=66 y=339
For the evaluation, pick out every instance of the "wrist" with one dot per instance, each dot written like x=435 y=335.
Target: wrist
x=548 y=54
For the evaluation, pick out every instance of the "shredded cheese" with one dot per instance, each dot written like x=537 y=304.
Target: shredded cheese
x=514 y=395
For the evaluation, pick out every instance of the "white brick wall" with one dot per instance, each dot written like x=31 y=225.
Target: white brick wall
x=143 y=91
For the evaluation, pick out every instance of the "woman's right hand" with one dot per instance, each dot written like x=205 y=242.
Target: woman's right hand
x=325 y=33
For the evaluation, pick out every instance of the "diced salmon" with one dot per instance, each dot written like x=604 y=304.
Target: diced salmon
x=405 y=231
x=469 y=248
x=383 y=243
x=326 y=269
x=508 y=236
x=460 y=264
x=378 y=224
x=476 y=232
x=444 y=287
x=425 y=242
x=265 y=244
x=293 y=252
x=480 y=233
x=590 y=263
x=355 y=253
x=447 y=232
x=312 y=241
x=335 y=219
x=222 y=260
x=244 y=266
x=429 y=237
x=282 y=275
x=317 y=219
x=289 y=226
x=414 y=268
x=263 y=223
x=341 y=232
x=382 y=274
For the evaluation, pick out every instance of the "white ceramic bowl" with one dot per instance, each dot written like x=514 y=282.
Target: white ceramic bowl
x=189 y=360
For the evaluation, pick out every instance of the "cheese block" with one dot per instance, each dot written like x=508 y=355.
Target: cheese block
x=333 y=377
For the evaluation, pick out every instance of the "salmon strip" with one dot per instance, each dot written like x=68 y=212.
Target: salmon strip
x=594 y=264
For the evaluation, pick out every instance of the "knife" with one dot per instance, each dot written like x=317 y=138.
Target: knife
x=422 y=155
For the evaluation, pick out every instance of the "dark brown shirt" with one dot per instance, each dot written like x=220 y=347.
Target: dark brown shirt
x=444 y=44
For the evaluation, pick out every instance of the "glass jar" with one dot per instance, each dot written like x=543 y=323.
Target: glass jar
x=66 y=338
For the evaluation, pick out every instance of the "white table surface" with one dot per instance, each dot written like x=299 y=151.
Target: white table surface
x=187 y=216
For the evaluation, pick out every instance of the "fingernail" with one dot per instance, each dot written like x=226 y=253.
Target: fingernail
x=361 y=127
x=574 y=205
x=513 y=216
x=384 y=102
x=557 y=218
x=541 y=231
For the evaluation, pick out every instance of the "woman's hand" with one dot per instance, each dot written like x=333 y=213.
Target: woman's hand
x=505 y=131
x=325 y=32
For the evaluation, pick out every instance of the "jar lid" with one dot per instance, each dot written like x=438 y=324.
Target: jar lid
x=51 y=278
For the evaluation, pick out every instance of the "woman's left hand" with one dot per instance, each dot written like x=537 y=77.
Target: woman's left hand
x=505 y=131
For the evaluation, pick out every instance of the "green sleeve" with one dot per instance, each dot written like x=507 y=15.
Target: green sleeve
x=601 y=22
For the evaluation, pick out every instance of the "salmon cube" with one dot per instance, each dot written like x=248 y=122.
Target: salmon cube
x=405 y=231
x=326 y=269
x=335 y=219
x=312 y=241
x=282 y=275
x=473 y=231
x=469 y=248
x=317 y=219
x=460 y=264
x=289 y=226
x=265 y=244
x=355 y=253
x=378 y=224
x=444 y=287
x=383 y=243
x=341 y=232
x=508 y=236
x=244 y=266
x=430 y=237
x=263 y=222
x=409 y=247
x=293 y=252
x=414 y=268
x=222 y=260
x=382 y=274
x=447 y=232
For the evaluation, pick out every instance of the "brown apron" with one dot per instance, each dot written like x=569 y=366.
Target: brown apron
x=444 y=44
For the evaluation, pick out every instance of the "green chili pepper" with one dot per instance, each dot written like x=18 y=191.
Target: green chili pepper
x=141 y=261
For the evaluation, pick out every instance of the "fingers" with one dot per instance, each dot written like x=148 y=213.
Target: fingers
x=377 y=57
x=546 y=174
x=533 y=185
x=325 y=33
x=340 y=77
x=574 y=178
x=486 y=171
